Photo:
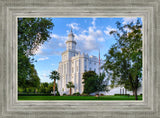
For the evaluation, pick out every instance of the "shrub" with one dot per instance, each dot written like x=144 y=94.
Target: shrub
x=101 y=94
x=121 y=94
x=20 y=90
x=57 y=94
x=64 y=94
x=34 y=94
x=84 y=94
x=76 y=94
x=30 y=90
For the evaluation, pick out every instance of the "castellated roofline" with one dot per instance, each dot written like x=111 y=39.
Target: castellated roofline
x=68 y=51
x=84 y=55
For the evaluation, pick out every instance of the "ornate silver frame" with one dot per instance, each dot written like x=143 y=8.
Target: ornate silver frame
x=10 y=107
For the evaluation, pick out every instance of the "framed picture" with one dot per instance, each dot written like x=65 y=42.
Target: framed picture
x=14 y=104
x=76 y=64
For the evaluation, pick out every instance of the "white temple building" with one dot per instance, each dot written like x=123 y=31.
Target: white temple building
x=73 y=65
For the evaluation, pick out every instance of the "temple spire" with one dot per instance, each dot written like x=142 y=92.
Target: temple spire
x=71 y=32
x=71 y=43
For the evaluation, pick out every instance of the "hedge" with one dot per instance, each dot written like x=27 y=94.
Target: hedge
x=121 y=94
x=35 y=94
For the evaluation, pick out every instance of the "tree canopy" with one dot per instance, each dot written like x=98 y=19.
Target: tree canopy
x=89 y=81
x=101 y=83
x=123 y=62
x=70 y=85
x=93 y=82
x=32 y=32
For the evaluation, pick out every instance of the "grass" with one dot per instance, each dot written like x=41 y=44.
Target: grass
x=109 y=97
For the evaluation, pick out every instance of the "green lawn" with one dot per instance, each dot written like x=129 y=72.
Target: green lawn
x=109 y=97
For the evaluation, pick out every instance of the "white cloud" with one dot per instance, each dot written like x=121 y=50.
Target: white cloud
x=90 y=40
x=42 y=59
x=108 y=30
x=52 y=47
x=53 y=64
x=55 y=36
x=68 y=31
x=45 y=77
x=101 y=39
x=87 y=40
x=60 y=44
x=84 y=31
x=127 y=20
x=94 y=23
x=74 y=26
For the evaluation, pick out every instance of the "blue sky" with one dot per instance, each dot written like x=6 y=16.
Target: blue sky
x=91 y=34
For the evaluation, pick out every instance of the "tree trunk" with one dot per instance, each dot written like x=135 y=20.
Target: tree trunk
x=25 y=90
x=70 y=91
x=137 y=81
x=123 y=91
x=54 y=86
x=136 y=97
x=133 y=93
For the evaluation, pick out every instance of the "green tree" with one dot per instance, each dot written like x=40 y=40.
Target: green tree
x=32 y=32
x=42 y=88
x=70 y=86
x=47 y=88
x=90 y=82
x=54 y=76
x=101 y=83
x=94 y=83
x=45 y=84
x=124 y=59
x=34 y=80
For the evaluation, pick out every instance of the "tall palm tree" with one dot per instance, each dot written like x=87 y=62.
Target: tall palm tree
x=54 y=76
x=70 y=85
